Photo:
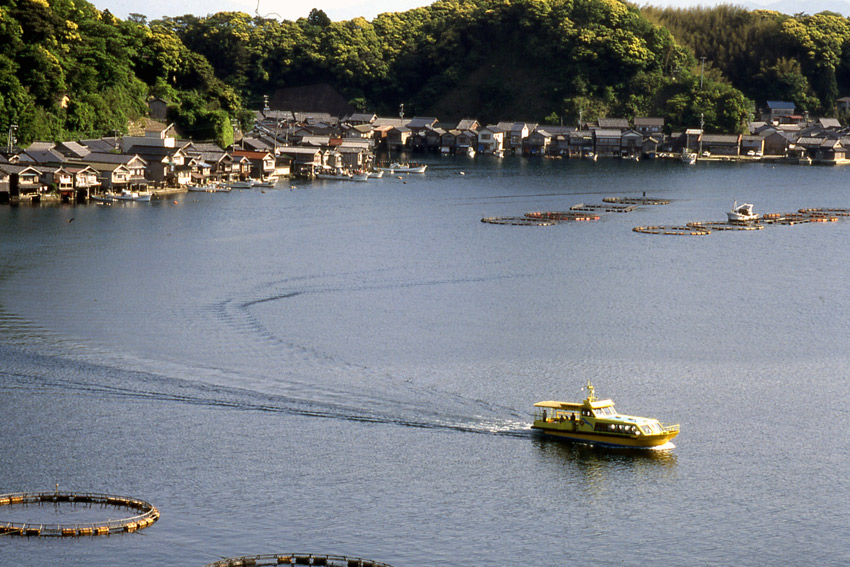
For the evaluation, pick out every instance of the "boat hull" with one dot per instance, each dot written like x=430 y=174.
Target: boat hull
x=134 y=196
x=401 y=168
x=607 y=439
x=741 y=218
x=333 y=176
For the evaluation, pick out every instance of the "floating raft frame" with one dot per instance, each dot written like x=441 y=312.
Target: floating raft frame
x=579 y=212
x=296 y=559
x=519 y=221
x=673 y=230
x=148 y=514
x=636 y=200
x=802 y=216
x=561 y=216
x=604 y=208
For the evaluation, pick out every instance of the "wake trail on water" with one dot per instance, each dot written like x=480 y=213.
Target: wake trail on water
x=244 y=400
x=311 y=382
x=243 y=314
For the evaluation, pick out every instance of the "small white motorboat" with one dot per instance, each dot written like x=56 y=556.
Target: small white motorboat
x=126 y=195
x=211 y=188
x=240 y=184
x=397 y=167
x=267 y=183
x=742 y=213
x=689 y=157
x=337 y=174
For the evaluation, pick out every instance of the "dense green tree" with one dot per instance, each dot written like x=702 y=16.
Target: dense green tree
x=68 y=69
x=766 y=54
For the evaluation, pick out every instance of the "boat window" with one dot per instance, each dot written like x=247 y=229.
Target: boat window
x=604 y=412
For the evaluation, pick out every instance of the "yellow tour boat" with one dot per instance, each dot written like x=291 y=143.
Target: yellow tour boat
x=595 y=421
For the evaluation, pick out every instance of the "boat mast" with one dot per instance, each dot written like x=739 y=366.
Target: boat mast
x=591 y=397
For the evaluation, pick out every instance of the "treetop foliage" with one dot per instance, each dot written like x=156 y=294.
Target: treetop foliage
x=69 y=70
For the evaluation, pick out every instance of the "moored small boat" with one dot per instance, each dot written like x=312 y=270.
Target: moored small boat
x=741 y=213
x=240 y=184
x=267 y=183
x=596 y=422
x=126 y=195
x=397 y=167
x=338 y=175
x=212 y=188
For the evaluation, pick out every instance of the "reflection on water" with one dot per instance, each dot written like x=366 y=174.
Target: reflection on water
x=604 y=471
x=585 y=453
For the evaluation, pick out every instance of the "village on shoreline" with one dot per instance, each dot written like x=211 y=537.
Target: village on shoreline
x=153 y=161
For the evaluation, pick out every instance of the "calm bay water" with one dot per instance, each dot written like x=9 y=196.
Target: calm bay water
x=349 y=369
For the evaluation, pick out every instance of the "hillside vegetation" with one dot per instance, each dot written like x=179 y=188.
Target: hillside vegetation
x=68 y=70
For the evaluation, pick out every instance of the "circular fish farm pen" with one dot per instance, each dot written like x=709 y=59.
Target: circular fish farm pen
x=296 y=559
x=712 y=226
x=144 y=514
x=802 y=216
x=519 y=221
x=562 y=216
x=673 y=230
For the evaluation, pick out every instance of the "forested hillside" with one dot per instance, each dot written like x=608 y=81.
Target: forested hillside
x=492 y=59
x=68 y=70
x=768 y=55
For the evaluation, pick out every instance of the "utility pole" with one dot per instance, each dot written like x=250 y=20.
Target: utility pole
x=401 y=111
x=701 y=131
x=12 y=140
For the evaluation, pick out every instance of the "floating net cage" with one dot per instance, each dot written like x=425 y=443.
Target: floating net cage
x=296 y=559
x=144 y=514
x=577 y=213
x=649 y=201
x=519 y=221
x=603 y=208
x=802 y=216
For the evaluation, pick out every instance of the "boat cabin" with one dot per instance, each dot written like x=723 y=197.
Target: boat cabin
x=563 y=411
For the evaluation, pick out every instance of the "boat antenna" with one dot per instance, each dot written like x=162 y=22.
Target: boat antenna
x=590 y=391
